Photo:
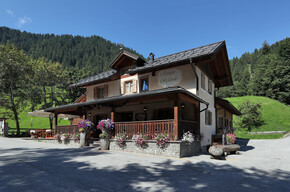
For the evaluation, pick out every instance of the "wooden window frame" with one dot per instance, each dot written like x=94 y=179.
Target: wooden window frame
x=97 y=92
x=208 y=117
x=130 y=87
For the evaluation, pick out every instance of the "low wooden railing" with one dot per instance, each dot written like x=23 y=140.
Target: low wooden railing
x=145 y=127
x=69 y=129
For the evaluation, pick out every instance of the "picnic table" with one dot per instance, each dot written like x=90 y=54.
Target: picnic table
x=42 y=133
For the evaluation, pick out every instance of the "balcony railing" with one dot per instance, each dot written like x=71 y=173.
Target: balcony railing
x=69 y=129
x=145 y=127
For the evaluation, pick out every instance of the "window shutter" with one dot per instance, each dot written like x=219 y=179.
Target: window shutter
x=134 y=86
x=202 y=80
x=96 y=92
x=105 y=91
x=122 y=87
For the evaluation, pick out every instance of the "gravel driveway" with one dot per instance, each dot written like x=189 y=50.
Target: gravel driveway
x=263 y=165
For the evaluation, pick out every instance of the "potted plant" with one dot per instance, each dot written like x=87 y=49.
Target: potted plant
x=106 y=126
x=84 y=128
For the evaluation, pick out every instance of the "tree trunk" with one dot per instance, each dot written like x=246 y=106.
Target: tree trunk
x=44 y=96
x=13 y=107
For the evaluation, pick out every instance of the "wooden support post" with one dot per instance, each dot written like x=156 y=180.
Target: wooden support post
x=175 y=122
x=113 y=116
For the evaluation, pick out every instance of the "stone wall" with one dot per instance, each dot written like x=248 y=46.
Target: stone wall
x=171 y=149
x=71 y=143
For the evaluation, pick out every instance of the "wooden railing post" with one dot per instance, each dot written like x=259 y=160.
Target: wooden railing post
x=175 y=122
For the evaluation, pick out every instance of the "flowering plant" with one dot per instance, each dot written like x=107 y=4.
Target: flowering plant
x=121 y=139
x=76 y=136
x=188 y=137
x=106 y=126
x=141 y=140
x=161 y=139
x=57 y=137
x=231 y=138
x=85 y=125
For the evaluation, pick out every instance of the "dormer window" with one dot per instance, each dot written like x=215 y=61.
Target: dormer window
x=129 y=87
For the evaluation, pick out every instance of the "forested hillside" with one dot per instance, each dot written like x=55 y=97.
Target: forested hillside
x=92 y=53
x=265 y=72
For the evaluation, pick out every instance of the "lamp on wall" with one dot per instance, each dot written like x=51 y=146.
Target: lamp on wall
x=182 y=105
x=90 y=114
x=145 y=109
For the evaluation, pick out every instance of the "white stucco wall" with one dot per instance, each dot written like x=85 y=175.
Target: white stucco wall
x=206 y=130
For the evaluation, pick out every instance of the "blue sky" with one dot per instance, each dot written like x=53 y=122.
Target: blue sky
x=161 y=26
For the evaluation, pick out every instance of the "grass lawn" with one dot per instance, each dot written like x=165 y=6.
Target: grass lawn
x=275 y=114
x=37 y=122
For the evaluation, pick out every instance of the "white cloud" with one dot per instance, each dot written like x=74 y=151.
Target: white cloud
x=10 y=12
x=23 y=20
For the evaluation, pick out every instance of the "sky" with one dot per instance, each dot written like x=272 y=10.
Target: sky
x=159 y=26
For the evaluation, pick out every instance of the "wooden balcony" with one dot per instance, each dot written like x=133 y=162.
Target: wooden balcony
x=146 y=127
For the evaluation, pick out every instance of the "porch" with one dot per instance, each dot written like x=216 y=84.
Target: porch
x=150 y=128
x=172 y=111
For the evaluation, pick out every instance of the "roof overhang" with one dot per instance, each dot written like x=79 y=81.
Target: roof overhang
x=124 y=58
x=228 y=106
x=42 y=113
x=71 y=108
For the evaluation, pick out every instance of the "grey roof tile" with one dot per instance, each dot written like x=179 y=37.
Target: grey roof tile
x=95 y=78
x=192 y=53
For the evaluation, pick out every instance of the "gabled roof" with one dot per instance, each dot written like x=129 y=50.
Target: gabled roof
x=221 y=77
x=198 y=52
x=128 y=97
x=123 y=54
x=228 y=106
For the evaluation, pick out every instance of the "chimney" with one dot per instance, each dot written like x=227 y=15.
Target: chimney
x=152 y=56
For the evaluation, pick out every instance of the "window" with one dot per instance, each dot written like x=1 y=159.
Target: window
x=208 y=117
x=144 y=85
x=220 y=122
x=101 y=92
x=209 y=86
x=202 y=77
x=129 y=87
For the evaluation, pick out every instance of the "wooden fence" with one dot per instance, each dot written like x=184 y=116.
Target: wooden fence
x=69 y=129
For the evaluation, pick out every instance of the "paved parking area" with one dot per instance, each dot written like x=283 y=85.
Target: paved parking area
x=263 y=165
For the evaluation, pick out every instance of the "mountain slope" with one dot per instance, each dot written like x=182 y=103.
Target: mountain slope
x=92 y=53
x=275 y=114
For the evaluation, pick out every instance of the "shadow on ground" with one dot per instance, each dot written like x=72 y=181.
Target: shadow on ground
x=56 y=170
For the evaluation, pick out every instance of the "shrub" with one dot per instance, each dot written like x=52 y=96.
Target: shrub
x=85 y=125
x=106 y=126
x=251 y=117
x=161 y=139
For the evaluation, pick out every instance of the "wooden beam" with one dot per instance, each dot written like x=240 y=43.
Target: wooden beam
x=175 y=122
